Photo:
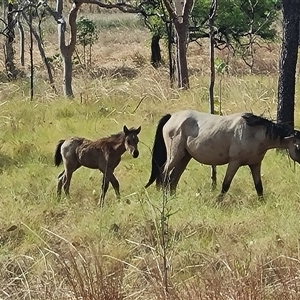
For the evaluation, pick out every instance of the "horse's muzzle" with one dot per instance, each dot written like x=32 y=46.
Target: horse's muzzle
x=135 y=153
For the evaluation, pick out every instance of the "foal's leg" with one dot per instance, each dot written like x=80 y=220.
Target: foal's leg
x=69 y=170
x=104 y=188
x=256 y=175
x=109 y=177
x=233 y=166
x=177 y=172
x=213 y=177
x=115 y=183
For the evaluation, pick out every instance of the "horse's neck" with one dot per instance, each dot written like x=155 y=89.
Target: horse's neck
x=277 y=143
x=120 y=148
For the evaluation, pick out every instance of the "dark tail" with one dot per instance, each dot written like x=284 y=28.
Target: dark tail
x=57 y=154
x=159 y=153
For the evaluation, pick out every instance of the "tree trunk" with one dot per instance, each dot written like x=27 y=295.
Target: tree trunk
x=180 y=17
x=31 y=55
x=21 y=32
x=181 y=63
x=212 y=13
x=288 y=61
x=155 y=51
x=67 y=83
x=66 y=51
x=9 y=51
x=42 y=51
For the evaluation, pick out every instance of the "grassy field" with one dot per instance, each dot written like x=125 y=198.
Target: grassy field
x=72 y=249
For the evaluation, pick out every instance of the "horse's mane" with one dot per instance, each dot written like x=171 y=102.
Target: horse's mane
x=273 y=130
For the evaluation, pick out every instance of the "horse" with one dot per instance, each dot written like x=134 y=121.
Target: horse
x=237 y=140
x=103 y=154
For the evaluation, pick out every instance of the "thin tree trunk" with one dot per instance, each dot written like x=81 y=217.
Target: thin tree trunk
x=288 y=62
x=9 y=51
x=31 y=55
x=42 y=52
x=21 y=32
x=170 y=52
x=212 y=56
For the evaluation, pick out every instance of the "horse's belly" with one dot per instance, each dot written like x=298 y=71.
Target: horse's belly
x=210 y=157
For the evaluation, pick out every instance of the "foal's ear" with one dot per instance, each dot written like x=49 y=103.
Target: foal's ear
x=138 y=130
x=125 y=130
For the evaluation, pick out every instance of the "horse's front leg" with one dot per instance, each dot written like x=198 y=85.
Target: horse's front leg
x=256 y=175
x=232 y=168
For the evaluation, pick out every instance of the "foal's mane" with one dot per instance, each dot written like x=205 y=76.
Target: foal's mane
x=115 y=137
x=273 y=130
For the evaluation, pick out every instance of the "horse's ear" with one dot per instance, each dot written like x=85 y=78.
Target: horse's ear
x=138 y=130
x=126 y=130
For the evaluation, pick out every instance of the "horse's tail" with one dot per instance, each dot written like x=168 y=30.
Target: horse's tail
x=159 y=152
x=57 y=154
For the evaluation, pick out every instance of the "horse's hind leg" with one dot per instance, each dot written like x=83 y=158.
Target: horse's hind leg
x=60 y=178
x=256 y=175
x=213 y=177
x=177 y=172
x=232 y=168
x=175 y=152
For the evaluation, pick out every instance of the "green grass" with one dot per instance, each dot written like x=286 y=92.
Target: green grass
x=72 y=249
x=200 y=236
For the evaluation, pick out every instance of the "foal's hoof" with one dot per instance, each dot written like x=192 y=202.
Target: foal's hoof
x=261 y=198
x=220 y=199
x=100 y=203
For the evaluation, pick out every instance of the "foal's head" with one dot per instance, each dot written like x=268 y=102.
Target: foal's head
x=294 y=146
x=131 y=140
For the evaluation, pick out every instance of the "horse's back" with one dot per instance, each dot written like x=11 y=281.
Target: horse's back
x=210 y=139
x=192 y=123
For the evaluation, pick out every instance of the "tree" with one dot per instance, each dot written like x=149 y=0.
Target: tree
x=288 y=62
x=87 y=36
x=179 y=14
x=238 y=24
x=9 y=52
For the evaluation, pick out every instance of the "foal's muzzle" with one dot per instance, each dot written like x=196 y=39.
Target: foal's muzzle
x=135 y=153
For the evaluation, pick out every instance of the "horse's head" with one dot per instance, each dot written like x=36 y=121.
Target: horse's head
x=294 y=146
x=131 y=140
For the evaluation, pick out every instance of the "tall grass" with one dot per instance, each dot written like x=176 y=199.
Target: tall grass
x=72 y=249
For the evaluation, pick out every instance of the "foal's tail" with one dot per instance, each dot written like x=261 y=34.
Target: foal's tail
x=159 y=153
x=57 y=154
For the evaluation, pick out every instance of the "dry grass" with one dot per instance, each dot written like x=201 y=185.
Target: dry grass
x=70 y=249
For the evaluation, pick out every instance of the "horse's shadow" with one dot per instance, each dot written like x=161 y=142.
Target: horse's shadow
x=6 y=162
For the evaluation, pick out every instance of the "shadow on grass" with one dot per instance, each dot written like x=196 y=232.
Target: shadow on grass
x=6 y=162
